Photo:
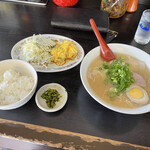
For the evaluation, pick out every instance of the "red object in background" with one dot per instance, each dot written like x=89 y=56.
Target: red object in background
x=132 y=5
x=65 y=3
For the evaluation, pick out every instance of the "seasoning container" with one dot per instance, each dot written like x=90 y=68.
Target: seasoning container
x=65 y=3
x=115 y=8
x=132 y=5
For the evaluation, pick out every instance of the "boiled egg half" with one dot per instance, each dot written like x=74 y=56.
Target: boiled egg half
x=137 y=95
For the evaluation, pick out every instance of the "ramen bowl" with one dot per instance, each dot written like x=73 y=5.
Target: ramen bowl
x=116 y=48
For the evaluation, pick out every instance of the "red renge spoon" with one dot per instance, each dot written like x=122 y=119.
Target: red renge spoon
x=105 y=52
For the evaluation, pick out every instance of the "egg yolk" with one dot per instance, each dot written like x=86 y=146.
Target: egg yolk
x=136 y=93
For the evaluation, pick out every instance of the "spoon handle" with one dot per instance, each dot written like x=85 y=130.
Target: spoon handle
x=105 y=51
x=99 y=37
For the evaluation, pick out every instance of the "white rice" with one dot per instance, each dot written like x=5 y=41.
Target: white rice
x=14 y=87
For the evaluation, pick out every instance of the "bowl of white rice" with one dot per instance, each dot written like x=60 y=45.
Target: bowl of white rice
x=18 y=82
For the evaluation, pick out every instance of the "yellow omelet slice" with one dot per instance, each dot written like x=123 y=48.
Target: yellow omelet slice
x=63 y=52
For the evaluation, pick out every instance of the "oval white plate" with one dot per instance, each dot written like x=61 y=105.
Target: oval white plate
x=41 y=103
x=118 y=48
x=17 y=54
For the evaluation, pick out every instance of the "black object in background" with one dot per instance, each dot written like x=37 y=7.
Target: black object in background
x=31 y=2
x=78 y=19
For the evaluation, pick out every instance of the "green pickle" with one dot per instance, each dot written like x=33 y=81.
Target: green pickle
x=51 y=96
x=115 y=8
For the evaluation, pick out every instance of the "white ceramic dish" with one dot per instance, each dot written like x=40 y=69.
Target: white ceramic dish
x=40 y=102
x=25 y=69
x=120 y=48
x=16 y=53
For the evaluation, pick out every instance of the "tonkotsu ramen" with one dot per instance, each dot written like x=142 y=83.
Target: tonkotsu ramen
x=137 y=92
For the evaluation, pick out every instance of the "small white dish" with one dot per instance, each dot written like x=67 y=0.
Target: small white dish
x=41 y=103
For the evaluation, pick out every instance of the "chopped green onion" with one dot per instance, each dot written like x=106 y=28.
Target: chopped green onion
x=119 y=75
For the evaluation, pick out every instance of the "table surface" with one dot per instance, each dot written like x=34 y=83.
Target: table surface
x=82 y=114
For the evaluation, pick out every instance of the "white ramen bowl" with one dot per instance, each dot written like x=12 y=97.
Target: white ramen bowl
x=25 y=69
x=117 y=48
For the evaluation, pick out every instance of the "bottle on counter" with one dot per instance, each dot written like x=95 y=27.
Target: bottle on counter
x=115 y=8
x=132 y=5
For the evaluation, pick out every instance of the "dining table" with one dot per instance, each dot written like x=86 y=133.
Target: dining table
x=82 y=123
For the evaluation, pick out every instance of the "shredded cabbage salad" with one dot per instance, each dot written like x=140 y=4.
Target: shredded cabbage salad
x=37 y=50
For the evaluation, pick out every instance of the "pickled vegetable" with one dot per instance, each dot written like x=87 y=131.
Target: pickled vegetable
x=51 y=96
x=115 y=8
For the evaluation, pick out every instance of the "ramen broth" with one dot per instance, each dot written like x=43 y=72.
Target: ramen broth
x=96 y=79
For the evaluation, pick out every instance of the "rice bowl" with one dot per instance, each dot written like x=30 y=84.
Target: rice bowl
x=18 y=81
